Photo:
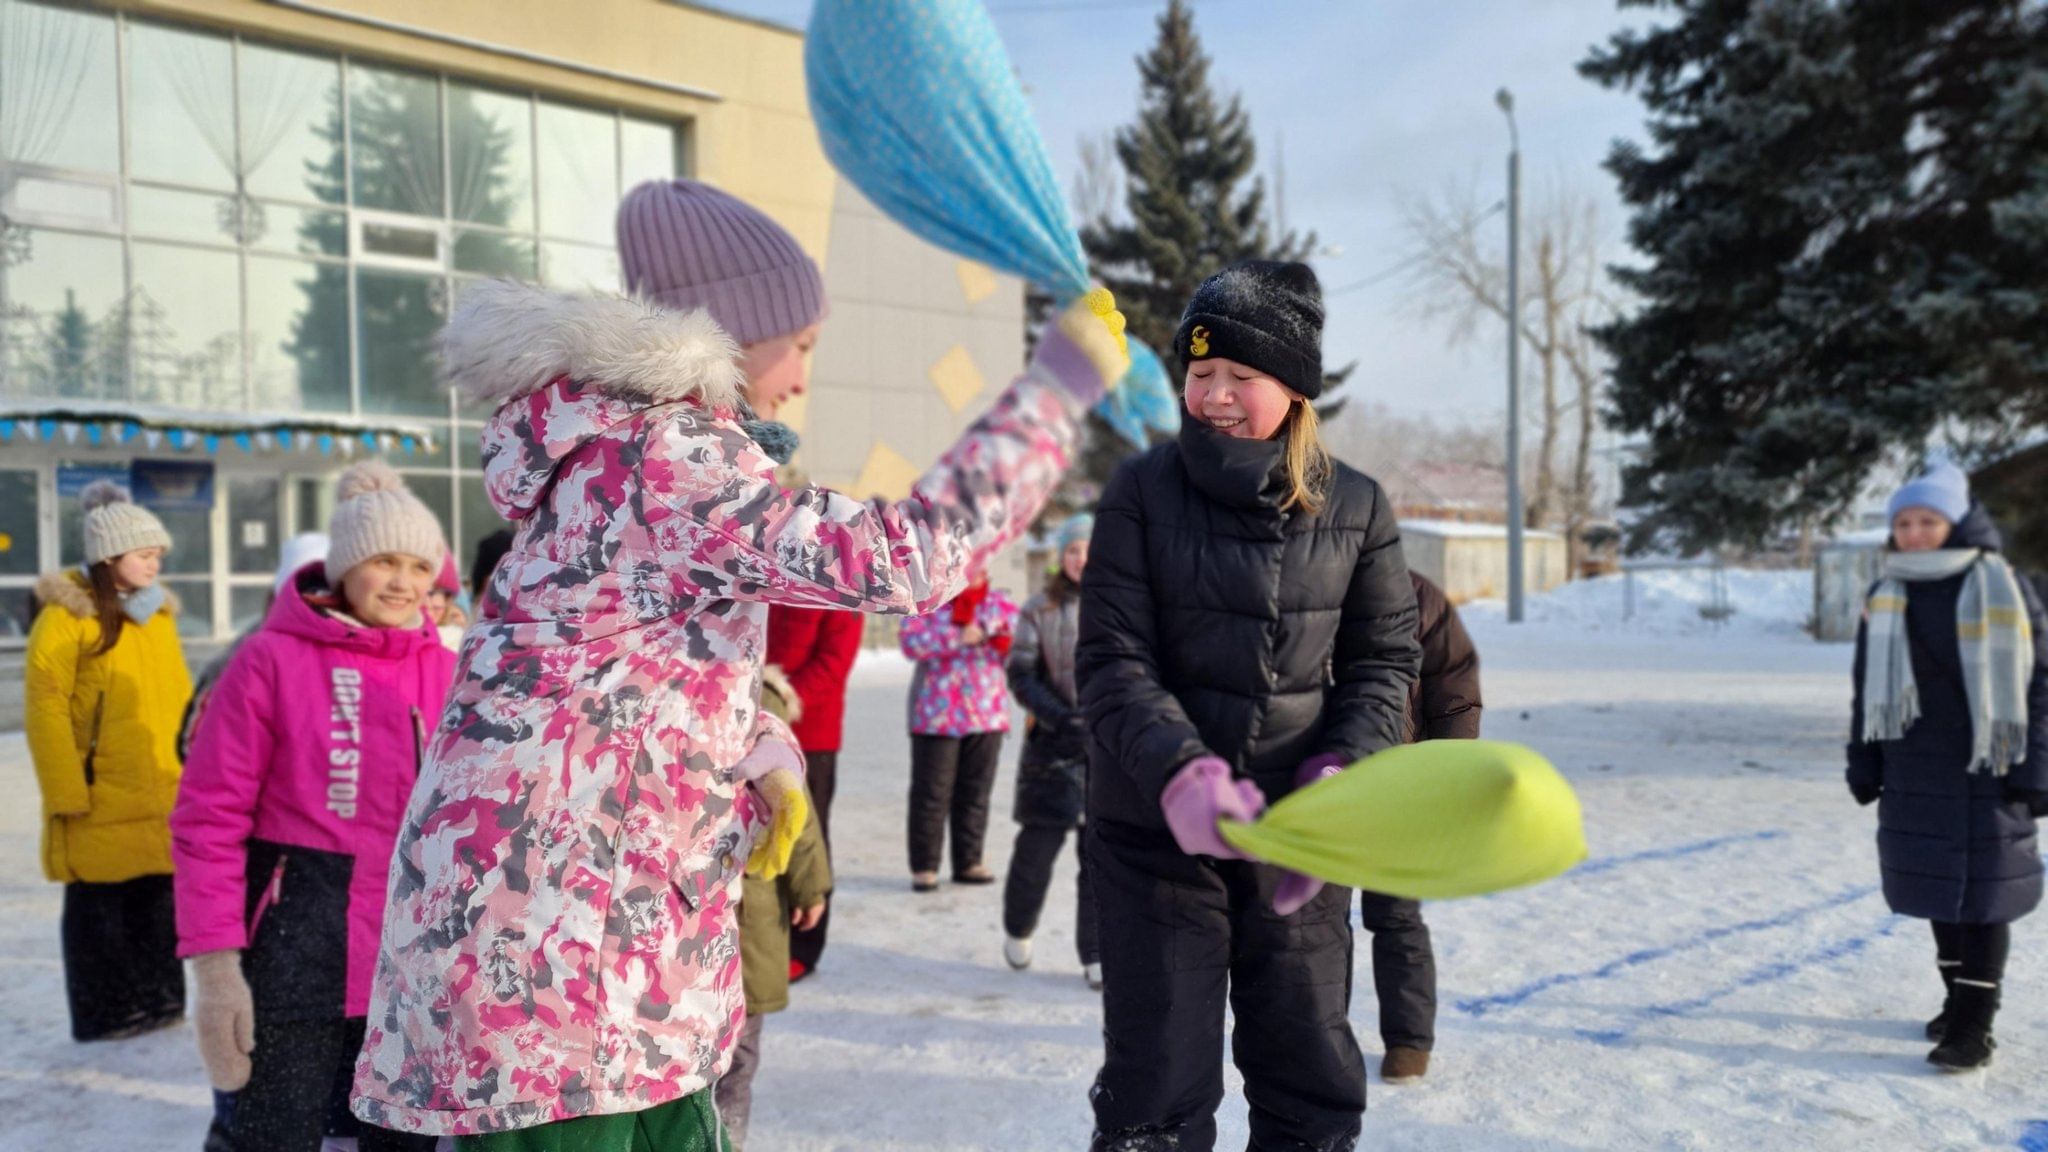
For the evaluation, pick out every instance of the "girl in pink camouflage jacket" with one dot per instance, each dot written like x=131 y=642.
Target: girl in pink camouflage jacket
x=560 y=944
x=959 y=711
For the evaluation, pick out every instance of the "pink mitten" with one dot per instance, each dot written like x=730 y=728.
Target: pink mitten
x=1200 y=794
x=1295 y=890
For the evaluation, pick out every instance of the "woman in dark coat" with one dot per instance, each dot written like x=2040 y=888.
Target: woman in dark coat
x=1247 y=625
x=1444 y=706
x=1949 y=735
x=1052 y=774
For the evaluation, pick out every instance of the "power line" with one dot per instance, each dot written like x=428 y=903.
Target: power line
x=1393 y=270
x=1069 y=6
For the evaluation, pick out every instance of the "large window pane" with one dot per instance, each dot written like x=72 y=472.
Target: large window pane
x=195 y=607
x=185 y=324
x=247 y=606
x=274 y=227
x=64 y=324
x=437 y=492
x=181 y=107
x=291 y=124
x=490 y=157
x=255 y=522
x=58 y=90
x=15 y=620
x=494 y=254
x=298 y=335
x=647 y=150
x=579 y=166
x=579 y=268
x=400 y=314
x=20 y=530
x=395 y=128
x=201 y=217
x=191 y=532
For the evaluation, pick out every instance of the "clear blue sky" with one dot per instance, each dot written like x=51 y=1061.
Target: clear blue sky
x=1371 y=97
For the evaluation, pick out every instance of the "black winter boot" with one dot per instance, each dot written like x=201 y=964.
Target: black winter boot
x=1968 y=1044
x=1938 y=1027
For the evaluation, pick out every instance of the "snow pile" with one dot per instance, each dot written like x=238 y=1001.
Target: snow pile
x=1674 y=602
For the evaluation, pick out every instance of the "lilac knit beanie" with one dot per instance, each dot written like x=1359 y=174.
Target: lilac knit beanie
x=688 y=245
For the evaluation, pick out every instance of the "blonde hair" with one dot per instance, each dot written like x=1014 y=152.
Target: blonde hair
x=1309 y=467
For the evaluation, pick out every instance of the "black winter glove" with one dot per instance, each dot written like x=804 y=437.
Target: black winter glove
x=1865 y=794
x=2033 y=801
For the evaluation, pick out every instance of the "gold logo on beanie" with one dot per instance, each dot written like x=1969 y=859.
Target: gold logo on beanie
x=1198 y=341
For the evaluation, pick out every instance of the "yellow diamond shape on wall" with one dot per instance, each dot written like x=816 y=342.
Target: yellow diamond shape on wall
x=977 y=283
x=956 y=378
x=886 y=474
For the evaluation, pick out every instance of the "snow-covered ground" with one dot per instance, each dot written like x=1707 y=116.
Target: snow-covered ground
x=1722 y=973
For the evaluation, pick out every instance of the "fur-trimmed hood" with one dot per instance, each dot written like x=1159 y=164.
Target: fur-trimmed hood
x=563 y=370
x=507 y=340
x=68 y=590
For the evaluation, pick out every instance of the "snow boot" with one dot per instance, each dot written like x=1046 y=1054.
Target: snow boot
x=924 y=881
x=1938 y=1027
x=1404 y=1065
x=977 y=875
x=1017 y=952
x=1092 y=972
x=1967 y=1043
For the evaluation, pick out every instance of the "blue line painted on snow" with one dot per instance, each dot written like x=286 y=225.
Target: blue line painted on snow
x=1482 y=1005
x=1768 y=974
x=2035 y=1138
x=1610 y=863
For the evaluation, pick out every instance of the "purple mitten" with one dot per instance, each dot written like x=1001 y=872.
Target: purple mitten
x=1200 y=794
x=1295 y=890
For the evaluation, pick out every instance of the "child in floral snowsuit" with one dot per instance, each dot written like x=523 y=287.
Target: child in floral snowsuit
x=959 y=711
x=560 y=943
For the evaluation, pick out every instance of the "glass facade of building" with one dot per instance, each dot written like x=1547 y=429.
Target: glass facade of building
x=208 y=223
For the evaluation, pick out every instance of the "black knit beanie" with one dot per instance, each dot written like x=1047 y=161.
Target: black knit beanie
x=1266 y=314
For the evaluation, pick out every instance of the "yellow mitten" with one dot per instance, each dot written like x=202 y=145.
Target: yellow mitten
x=1096 y=328
x=790 y=808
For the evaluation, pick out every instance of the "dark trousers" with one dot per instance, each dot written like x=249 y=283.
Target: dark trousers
x=1403 y=970
x=299 y=1070
x=951 y=775
x=1030 y=876
x=1185 y=933
x=1972 y=951
x=821 y=776
x=121 y=970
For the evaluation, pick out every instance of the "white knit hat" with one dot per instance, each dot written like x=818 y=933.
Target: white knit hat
x=115 y=525
x=375 y=513
x=298 y=552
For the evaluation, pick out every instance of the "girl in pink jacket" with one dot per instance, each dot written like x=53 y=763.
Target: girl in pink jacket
x=959 y=711
x=561 y=947
x=292 y=797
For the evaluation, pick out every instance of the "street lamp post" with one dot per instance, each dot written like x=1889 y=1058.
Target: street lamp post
x=1506 y=100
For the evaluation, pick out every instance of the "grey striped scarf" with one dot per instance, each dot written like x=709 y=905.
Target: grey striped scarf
x=1993 y=635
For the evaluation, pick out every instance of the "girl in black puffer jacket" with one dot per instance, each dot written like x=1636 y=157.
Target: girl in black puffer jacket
x=1052 y=775
x=1949 y=736
x=1247 y=625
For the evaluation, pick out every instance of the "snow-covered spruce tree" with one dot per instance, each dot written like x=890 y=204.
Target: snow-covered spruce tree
x=1191 y=206
x=1844 y=210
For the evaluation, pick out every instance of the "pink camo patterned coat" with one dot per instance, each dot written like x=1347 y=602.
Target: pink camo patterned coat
x=960 y=689
x=561 y=937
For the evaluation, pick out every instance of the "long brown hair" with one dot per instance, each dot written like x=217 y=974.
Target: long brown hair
x=106 y=604
x=1059 y=588
x=1309 y=466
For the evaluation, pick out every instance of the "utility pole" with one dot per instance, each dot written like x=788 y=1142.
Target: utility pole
x=1506 y=100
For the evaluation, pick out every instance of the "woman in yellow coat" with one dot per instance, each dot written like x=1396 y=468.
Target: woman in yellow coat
x=106 y=685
